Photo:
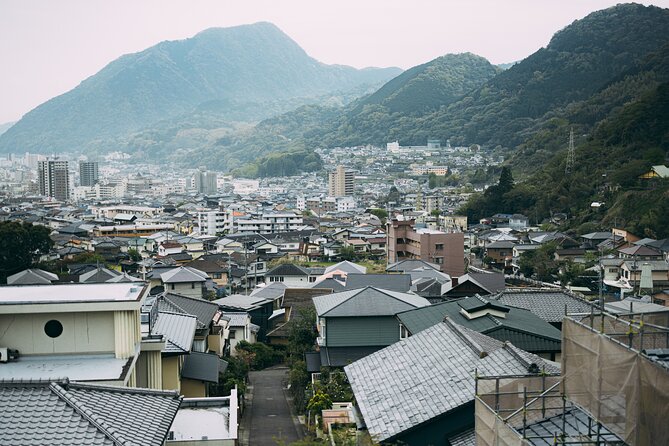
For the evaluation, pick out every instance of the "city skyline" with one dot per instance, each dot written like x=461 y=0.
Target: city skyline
x=53 y=47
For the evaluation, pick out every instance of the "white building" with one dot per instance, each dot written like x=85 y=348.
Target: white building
x=214 y=222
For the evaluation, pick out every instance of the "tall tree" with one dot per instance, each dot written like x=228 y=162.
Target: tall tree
x=21 y=244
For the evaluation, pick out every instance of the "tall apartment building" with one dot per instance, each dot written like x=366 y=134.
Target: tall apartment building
x=88 y=173
x=213 y=222
x=405 y=241
x=54 y=179
x=341 y=182
x=205 y=182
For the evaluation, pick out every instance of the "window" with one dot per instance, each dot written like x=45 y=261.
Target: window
x=439 y=260
x=192 y=285
x=439 y=246
x=312 y=279
x=171 y=286
x=232 y=334
x=53 y=328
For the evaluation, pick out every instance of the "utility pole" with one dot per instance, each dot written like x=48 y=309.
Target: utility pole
x=569 y=165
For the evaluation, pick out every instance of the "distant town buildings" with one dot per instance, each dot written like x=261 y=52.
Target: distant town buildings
x=54 y=179
x=341 y=182
x=88 y=173
x=205 y=182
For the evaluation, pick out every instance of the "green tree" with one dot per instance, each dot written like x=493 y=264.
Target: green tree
x=21 y=245
x=135 y=256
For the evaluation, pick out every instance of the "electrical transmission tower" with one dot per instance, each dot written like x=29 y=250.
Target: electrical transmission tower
x=569 y=165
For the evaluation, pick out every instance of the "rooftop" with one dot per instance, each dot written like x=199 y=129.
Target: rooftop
x=76 y=367
x=67 y=293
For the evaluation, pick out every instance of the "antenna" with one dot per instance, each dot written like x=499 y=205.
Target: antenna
x=569 y=165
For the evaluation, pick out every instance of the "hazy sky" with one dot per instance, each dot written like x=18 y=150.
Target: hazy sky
x=47 y=47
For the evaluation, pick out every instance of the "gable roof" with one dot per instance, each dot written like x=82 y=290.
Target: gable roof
x=519 y=326
x=548 y=304
x=347 y=267
x=65 y=413
x=100 y=274
x=392 y=282
x=368 y=301
x=183 y=274
x=202 y=309
x=32 y=276
x=427 y=375
x=409 y=264
x=241 y=302
x=288 y=269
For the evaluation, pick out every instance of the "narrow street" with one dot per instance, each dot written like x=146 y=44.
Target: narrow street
x=268 y=420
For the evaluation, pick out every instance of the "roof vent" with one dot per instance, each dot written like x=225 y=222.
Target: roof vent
x=7 y=354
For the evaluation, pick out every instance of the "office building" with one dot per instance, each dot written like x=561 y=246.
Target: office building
x=88 y=173
x=341 y=182
x=53 y=176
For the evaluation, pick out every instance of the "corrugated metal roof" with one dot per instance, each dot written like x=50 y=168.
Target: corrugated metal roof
x=422 y=377
x=203 y=367
x=178 y=329
x=202 y=309
x=237 y=319
x=63 y=413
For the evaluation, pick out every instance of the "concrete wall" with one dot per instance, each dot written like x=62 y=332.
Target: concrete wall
x=82 y=333
x=171 y=371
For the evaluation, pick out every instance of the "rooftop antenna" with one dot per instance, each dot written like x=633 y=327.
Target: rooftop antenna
x=569 y=165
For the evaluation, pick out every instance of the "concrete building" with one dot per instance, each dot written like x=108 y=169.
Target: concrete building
x=341 y=182
x=205 y=182
x=88 y=173
x=54 y=179
x=214 y=222
x=405 y=241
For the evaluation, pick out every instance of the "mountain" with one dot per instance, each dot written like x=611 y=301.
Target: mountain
x=222 y=67
x=4 y=127
x=580 y=61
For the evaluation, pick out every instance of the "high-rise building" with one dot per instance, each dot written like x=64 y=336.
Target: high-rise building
x=88 y=173
x=205 y=182
x=341 y=182
x=54 y=179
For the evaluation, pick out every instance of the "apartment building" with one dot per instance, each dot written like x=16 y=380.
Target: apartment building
x=214 y=222
x=54 y=179
x=341 y=182
x=405 y=241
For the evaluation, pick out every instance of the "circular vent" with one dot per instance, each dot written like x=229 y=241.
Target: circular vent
x=53 y=328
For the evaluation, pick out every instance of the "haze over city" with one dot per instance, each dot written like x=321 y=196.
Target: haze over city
x=52 y=46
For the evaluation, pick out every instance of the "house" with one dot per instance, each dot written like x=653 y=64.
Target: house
x=518 y=326
x=473 y=283
x=184 y=280
x=217 y=270
x=518 y=222
x=500 y=253
x=98 y=275
x=260 y=310
x=86 y=332
x=404 y=266
x=241 y=329
x=32 y=276
x=659 y=171
x=421 y=390
x=291 y=275
x=640 y=252
x=392 y=282
x=63 y=412
x=353 y=324
x=551 y=305
x=293 y=304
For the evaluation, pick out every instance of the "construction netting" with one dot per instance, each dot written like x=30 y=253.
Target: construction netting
x=605 y=374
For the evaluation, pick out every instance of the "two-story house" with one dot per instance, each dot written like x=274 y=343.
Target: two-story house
x=184 y=280
x=353 y=324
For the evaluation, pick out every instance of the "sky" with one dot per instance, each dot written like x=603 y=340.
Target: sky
x=48 y=47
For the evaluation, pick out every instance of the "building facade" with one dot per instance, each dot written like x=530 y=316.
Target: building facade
x=88 y=173
x=341 y=182
x=54 y=179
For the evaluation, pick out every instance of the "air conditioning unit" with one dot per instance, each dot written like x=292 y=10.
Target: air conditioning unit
x=7 y=354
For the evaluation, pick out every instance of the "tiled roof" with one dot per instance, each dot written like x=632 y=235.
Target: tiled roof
x=346 y=266
x=32 y=276
x=237 y=319
x=548 y=304
x=424 y=376
x=288 y=269
x=527 y=330
x=178 y=329
x=392 y=282
x=183 y=274
x=408 y=265
x=63 y=413
x=367 y=301
x=98 y=275
x=466 y=438
x=202 y=309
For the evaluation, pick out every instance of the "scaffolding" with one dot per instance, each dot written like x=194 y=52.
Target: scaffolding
x=612 y=390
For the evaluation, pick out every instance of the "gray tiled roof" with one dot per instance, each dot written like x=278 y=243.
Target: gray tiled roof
x=392 y=282
x=548 y=304
x=98 y=275
x=178 y=329
x=367 y=301
x=202 y=309
x=424 y=376
x=63 y=413
x=32 y=276
x=183 y=274
x=466 y=438
x=408 y=265
x=519 y=326
x=237 y=319
x=346 y=266
x=203 y=367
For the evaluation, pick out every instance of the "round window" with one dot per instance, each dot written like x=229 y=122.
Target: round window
x=53 y=328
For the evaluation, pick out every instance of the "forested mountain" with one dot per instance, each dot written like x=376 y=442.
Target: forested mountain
x=4 y=127
x=227 y=74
